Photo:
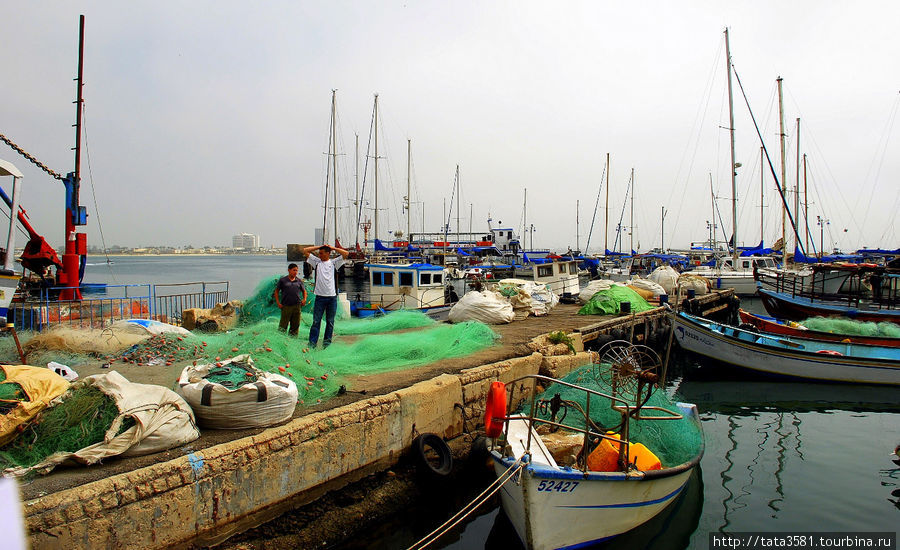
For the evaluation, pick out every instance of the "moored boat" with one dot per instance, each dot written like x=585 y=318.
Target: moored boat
x=606 y=483
x=797 y=308
x=788 y=357
x=771 y=325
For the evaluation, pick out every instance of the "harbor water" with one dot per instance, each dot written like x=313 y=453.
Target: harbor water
x=780 y=455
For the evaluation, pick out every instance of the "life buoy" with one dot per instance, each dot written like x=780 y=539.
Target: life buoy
x=830 y=352
x=495 y=409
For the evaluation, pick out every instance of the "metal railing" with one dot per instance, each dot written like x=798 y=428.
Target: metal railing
x=103 y=305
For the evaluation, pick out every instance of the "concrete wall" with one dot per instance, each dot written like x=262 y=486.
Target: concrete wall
x=206 y=496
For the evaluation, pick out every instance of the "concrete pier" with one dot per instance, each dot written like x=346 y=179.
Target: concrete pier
x=204 y=495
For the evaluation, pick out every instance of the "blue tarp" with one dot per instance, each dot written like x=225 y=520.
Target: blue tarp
x=381 y=248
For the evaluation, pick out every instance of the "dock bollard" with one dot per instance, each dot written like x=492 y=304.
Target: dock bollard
x=663 y=299
x=691 y=293
x=625 y=307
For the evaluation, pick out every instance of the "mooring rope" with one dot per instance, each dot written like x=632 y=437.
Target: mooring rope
x=470 y=507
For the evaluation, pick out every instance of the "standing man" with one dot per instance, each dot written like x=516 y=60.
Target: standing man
x=290 y=287
x=324 y=269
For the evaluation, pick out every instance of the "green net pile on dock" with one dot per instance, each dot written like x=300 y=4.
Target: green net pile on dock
x=80 y=420
x=609 y=302
x=852 y=328
x=673 y=441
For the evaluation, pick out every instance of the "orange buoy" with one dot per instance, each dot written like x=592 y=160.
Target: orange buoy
x=495 y=409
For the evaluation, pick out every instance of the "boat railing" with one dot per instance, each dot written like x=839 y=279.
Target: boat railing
x=627 y=410
x=881 y=292
x=103 y=305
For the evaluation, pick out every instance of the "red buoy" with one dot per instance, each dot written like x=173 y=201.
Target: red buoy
x=495 y=410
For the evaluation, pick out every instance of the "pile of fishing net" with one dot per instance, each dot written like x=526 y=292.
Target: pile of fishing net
x=395 y=341
x=852 y=328
x=99 y=417
x=673 y=441
x=609 y=302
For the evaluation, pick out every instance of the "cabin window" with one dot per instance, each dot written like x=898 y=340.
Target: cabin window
x=424 y=279
x=510 y=234
x=573 y=269
x=406 y=278
x=745 y=264
x=382 y=278
x=437 y=278
x=545 y=271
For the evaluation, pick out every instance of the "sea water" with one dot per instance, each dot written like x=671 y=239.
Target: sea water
x=780 y=456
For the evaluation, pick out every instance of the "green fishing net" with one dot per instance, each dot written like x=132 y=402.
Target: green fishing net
x=80 y=420
x=672 y=441
x=10 y=392
x=852 y=328
x=609 y=302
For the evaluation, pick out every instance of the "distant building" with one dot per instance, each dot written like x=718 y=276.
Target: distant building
x=245 y=241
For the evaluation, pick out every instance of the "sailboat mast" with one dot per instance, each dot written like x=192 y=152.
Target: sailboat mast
x=734 y=222
x=783 y=173
x=356 y=176
x=334 y=162
x=457 y=205
x=712 y=199
x=375 y=129
x=631 y=221
x=762 y=196
x=606 y=223
x=576 y=225
x=408 y=189
x=805 y=203
x=797 y=184
x=524 y=216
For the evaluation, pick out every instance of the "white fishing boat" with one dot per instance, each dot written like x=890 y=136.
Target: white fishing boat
x=402 y=286
x=9 y=279
x=560 y=276
x=792 y=357
x=604 y=487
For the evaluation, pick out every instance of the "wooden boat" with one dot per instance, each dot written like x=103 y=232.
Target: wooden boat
x=790 y=357
x=771 y=325
x=556 y=506
x=798 y=308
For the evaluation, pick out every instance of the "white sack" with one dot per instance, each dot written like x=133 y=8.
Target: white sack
x=162 y=420
x=698 y=283
x=647 y=284
x=666 y=277
x=592 y=288
x=270 y=400
x=488 y=307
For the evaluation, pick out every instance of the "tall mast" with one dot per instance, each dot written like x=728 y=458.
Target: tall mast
x=356 y=176
x=577 y=248
x=762 y=196
x=712 y=199
x=408 y=189
x=805 y=203
x=69 y=275
x=662 y=230
x=783 y=174
x=525 y=217
x=376 y=165
x=734 y=222
x=457 y=205
x=631 y=221
x=334 y=162
x=606 y=223
x=797 y=185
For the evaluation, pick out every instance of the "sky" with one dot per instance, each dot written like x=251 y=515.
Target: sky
x=206 y=119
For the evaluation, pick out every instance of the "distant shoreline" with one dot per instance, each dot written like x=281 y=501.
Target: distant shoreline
x=121 y=255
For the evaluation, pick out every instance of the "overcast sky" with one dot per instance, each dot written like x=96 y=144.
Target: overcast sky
x=206 y=119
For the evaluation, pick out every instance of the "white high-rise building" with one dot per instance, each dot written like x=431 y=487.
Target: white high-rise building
x=245 y=241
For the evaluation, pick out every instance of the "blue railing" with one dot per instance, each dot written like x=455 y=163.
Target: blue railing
x=102 y=305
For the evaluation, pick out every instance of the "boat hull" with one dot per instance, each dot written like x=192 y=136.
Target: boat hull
x=8 y=285
x=800 y=363
x=771 y=327
x=795 y=308
x=552 y=509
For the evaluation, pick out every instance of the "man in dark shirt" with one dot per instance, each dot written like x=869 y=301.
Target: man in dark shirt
x=290 y=287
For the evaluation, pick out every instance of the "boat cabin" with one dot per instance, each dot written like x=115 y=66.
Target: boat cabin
x=561 y=277
x=406 y=286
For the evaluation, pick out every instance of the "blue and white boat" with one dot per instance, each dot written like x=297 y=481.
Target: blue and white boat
x=417 y=286
x=790 y=357
x=555 y=506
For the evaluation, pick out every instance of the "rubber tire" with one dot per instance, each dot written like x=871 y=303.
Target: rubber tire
x=423 y=465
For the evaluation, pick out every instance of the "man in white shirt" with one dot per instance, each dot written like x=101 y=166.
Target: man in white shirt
x=325 y=273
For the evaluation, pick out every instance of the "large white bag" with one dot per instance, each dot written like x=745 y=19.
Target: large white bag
x=485 y=306
x=666 y=277
x=592 y=288
x=269 y=400
x=647 y=284
x=162 y=420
